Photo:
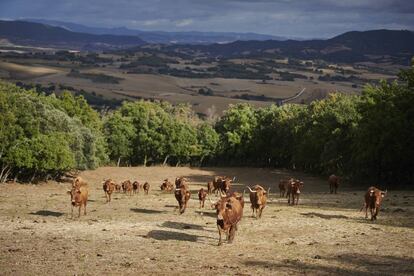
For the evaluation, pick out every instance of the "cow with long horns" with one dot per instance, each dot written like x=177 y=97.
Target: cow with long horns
x=258 y=199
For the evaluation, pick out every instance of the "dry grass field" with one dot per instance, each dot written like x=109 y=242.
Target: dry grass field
x=174 y=89
x=324 y=235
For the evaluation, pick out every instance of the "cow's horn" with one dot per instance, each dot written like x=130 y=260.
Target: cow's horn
x=251 y=190
x=234 y=179
x=268 y=191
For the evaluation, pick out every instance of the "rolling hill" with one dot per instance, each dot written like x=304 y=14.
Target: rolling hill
x=162 y=36
x=397 y=46
x=41 y=35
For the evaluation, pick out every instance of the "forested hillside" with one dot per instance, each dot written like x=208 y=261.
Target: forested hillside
x=367 y=138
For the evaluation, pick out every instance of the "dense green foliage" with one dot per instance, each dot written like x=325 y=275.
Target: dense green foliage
x=368 y=138
x=43 y=136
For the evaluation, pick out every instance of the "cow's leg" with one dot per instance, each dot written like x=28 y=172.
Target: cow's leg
x=72 y=212
x=260 y=211
x=220 y=233
x=110 y=195
x=232 y=233
x=80 y=206
x=297 y=199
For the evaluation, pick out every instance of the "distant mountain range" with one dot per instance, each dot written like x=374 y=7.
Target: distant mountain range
x=37 y=34
x=376 y=45
x=397 y=46
x=162 y=37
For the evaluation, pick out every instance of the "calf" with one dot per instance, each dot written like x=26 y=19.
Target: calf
x=229 y=213
x=79 y=198
x=146 y=187
x=293 y=191
x=127 y=187
x=333 y=181
x=166 y=186
x=373 y=199
x=108 y=187
x=258 y=199
x=135 y=187
x=202 y=194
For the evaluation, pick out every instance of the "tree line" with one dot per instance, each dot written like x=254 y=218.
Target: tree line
x=368 y=138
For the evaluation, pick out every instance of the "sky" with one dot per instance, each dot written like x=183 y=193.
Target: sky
x=289 y=18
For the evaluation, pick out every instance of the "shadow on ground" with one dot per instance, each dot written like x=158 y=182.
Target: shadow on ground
x=181 y=225
x=350 y=264
x=146 y=211
x=324 y=216
x=46 y=213
x=162 y=235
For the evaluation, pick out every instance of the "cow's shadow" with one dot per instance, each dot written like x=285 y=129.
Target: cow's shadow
x=46 y=213
x=146 y=211
x=181 y=225
x=324 y=216
x=163 y=235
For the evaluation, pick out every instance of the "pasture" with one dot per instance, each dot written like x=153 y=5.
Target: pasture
x=324 y=235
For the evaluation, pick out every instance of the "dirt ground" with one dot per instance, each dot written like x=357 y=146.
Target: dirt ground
x=144 y=234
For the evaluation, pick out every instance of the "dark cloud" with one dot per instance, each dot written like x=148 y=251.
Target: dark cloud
x=297 y=18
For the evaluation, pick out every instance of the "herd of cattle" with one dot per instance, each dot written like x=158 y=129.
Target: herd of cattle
x=229 y=207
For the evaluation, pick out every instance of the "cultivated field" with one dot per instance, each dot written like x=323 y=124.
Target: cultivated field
x=325 y=235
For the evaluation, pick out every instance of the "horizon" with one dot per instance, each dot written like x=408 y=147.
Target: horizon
x=320 y=19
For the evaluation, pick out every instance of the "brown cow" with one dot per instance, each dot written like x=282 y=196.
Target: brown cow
x=166 y=186
x=283 y=186
x=210 y=187
x=118 y=188
x=333 y=181
x=79 y=197
x=182 y=195
x=108 y=187
x=146 y=187
x=202 y=194
x=229 y=213
x=258 y=199
x=222 y=184
x=181 y=181
x=293 y=191
x=127 y=187
x=373 y=198
x=135 y=187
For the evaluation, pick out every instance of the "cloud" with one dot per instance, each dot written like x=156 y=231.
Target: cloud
x=305 y=18
x=184 y=22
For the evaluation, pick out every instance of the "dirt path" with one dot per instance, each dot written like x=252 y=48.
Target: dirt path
x=325 y=234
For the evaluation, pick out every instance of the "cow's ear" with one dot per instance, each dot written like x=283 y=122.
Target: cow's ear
x=68 y=192
x=78 y=191
x=382 y=194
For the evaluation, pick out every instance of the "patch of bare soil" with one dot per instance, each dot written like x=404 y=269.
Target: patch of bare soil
x=144 y=234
